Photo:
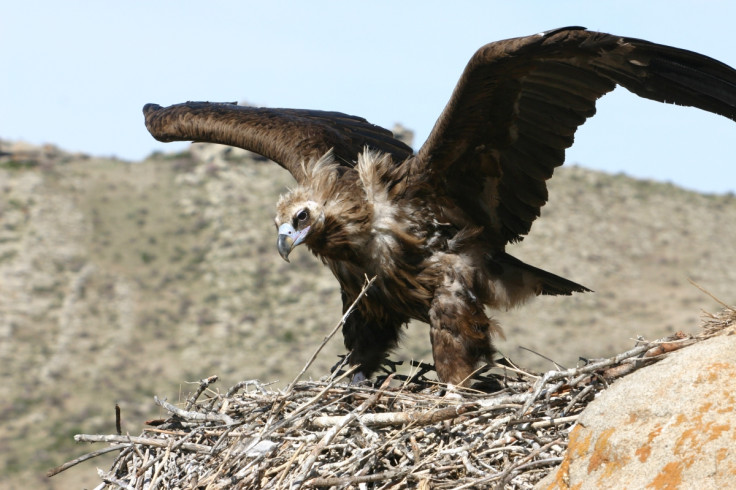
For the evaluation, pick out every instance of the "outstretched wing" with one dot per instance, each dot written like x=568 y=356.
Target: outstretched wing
x=290 y=137
x=519 y=102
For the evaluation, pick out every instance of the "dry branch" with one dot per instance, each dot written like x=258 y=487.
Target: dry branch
x=398 y=418
x=83 y=458
x=143 y=441
x=195 y=416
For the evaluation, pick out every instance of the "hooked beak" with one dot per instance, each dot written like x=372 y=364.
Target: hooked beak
x=289 y=238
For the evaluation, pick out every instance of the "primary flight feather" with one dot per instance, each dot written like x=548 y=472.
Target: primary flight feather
x=432 y=227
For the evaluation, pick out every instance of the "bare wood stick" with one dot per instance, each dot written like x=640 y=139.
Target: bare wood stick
x=205 y=417
x=539 y=462
x=173 y=447
x=118 y=426
x=83 y=458
x=107 y=477
x=145 y=441
x=244 y=384
x=558 y=366
x=268 y=428
x=667 y=347
x=595 y=366
x=115 y=467
x=582 y=394
x=203 y=384
x=541 y=384
x=538 y=387
x=397 y=418
x=330 y=335
x=392 y=476
x=710 y=294
x=470 y=468
x=154 y=478
x=496 y=402
x=623 y=369
x=278 y=406
x=290 y=463
x=554 y=421
x=505 y=475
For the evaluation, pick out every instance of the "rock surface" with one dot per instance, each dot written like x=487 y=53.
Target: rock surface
x=672 y=425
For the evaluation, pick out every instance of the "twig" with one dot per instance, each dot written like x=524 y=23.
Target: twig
x=517 y=466
x=118 y=426
x=188 y=415
x=173 y=447
x=145 y=441
x=710 y=294
x=290 y=463
x=667 y=347
x=107 y=477
x=244 y=384
x=398 y=418
x=154 y=478
x=392 y=476
x=330 y=335
x=269 y=428
x=553 y=422
x=557 y=365
x=203 y=384
x=83 y=458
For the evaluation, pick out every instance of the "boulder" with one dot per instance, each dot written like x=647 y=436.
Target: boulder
x=670 y=425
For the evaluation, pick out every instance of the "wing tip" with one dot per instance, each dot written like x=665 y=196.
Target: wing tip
x=150 y=108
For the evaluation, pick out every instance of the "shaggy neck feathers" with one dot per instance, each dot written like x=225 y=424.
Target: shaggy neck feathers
x=367 y=212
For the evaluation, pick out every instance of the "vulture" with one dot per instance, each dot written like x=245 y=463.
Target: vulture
x=432 y=226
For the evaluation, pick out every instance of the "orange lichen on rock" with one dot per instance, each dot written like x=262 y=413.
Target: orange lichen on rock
x=644 y=451
x=670 y=477
x=577 y=447
x=664 y=427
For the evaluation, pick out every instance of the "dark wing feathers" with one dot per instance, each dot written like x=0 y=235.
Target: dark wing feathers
x=505 y=129
x=678 y=76
x=519 y=102
x=289 y=137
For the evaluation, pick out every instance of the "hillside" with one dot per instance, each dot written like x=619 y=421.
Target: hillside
x=120 y=281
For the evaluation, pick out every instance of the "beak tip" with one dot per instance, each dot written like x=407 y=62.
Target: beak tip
x=284 y=246
x=288 y=239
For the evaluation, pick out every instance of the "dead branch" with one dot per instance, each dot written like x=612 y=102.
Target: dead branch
x=196 y=416
x=144 y=441
x=203 y=385
x=83 y=458
x=398 y=418
x=332 y=333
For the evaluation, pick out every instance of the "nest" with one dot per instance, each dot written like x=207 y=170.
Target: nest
x=404 y=431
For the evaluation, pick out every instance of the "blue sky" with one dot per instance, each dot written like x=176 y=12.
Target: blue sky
x=77 y=73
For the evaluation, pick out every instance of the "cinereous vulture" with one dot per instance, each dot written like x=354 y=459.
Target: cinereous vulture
x=433 y=226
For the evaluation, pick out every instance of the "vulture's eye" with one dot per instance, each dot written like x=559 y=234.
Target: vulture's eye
x=303 y=215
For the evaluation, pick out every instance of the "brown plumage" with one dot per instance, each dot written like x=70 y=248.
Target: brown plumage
x=433 y=226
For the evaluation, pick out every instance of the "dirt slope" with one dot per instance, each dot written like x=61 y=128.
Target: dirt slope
x=121 y=280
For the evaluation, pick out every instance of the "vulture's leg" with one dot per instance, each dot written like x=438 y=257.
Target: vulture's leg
x=461 y=333
x=368 y=342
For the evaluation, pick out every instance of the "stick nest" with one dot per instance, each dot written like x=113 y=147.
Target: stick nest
x=405 y=431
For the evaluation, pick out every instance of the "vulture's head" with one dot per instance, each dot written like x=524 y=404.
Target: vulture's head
x=298 y=220
x=301 y=215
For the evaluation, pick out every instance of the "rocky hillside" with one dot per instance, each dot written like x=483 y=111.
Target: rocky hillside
x=120 y=281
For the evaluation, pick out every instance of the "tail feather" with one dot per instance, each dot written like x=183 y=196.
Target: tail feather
x=550 y=284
